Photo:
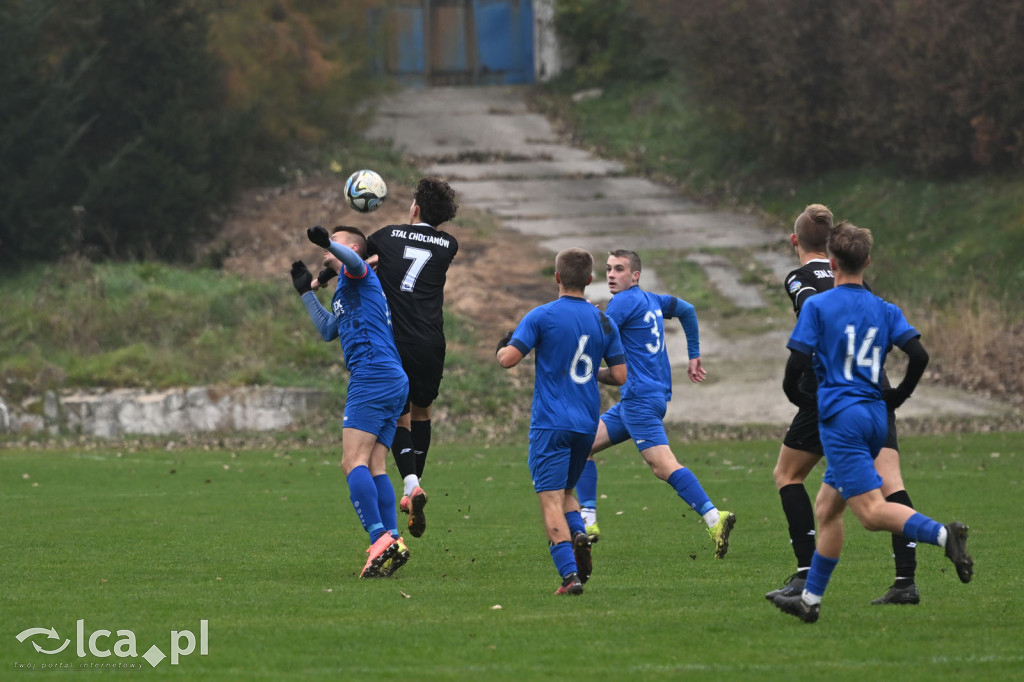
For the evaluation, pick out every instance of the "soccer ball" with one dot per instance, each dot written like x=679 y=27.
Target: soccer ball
x=365 y=191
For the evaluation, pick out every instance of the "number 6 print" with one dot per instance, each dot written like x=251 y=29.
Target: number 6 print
x=582 y=357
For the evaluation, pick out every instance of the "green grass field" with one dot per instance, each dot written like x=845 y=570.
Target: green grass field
x=263 y=545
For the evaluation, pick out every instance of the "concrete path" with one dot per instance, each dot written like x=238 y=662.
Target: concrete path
x=504 y=159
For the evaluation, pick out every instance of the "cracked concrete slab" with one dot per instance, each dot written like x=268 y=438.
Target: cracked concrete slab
x=728 y=280
x=502 y=158
x=529 y=190
x=527 y=169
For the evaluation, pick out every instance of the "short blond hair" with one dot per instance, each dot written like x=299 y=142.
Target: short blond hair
x=812 y=227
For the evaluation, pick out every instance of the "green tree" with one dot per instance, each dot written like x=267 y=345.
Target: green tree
x=114 y=141
x=39 y=131
x=160 y=151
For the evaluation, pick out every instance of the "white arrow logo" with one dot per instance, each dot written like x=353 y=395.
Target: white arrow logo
x=50 y=634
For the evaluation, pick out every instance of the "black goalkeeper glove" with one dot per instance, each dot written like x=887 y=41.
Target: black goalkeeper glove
x=302 y=278
x=325 y=276
x=318 y=235
x=504 y=340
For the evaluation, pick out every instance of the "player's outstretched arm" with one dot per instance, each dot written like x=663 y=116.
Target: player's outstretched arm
x=326 y=323
x=354 y=265
x=687 y=315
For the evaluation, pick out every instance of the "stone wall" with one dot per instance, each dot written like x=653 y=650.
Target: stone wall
x=121 y=412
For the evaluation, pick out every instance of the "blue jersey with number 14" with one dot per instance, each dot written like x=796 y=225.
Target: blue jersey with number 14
x=571 y=337
x=848 y=331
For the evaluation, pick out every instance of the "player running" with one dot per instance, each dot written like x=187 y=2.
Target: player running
x=848 y=331
x=570 y=336
x=801 y=448
x=640 y=316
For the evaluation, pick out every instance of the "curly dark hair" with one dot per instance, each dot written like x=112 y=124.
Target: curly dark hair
x=436 y=201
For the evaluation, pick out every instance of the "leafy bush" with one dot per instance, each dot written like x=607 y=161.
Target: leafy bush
x=134 y=146
x=606 y=39
x=300 y=65
x=125 y=126
x=825 y=85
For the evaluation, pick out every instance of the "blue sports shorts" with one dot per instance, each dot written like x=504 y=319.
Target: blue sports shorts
x=803 y=433
x=852 y=439
x=639 y=419
x=375 y=401
x=557 y=458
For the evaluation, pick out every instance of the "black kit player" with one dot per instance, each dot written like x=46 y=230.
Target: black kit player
x=412 y=264
x=801 y=448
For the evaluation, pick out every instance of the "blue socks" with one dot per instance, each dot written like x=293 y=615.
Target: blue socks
x=363 y=493
x=689 y=489
x=386 y=503
x=586 y=486
x=575 y=521
x=565 y=560
x=820 y=574
x=920 y=528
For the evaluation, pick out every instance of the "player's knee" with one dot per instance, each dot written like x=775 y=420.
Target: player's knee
x=786 y=476
x=869 y=517
x=870 y=524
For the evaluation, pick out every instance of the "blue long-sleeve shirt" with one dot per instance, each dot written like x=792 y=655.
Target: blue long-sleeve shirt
x=640 y=316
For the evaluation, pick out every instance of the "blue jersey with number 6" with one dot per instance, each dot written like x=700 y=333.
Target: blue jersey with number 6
x=848 y=331
x=571 y=337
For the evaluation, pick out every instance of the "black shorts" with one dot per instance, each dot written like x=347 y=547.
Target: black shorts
x=424 y=365
x=803 y=433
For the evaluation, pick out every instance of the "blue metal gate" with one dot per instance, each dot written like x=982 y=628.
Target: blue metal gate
x=459 y=42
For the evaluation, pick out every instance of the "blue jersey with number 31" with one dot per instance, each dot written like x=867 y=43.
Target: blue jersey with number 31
x=848 y=331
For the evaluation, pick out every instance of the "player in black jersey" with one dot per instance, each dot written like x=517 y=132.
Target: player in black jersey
x=412 y=264
x=801 y=448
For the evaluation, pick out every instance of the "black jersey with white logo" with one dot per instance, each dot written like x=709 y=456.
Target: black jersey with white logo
x=811 y=278
x=412 y=267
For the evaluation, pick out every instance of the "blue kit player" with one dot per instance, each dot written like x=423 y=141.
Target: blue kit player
x=377 y=386
x=570 y=337
x=801 y=448
x=845 y=333
x=640 y=316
